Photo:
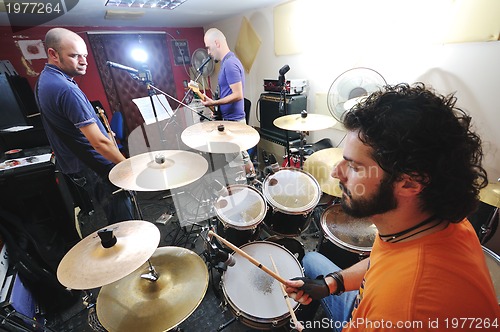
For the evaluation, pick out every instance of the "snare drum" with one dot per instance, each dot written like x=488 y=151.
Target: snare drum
x=293 y=194
x=493 y=262
x=255 y=297
x=356 y=236
x=240 y=213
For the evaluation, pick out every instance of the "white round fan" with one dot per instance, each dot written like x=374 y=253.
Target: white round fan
x=197 y=58
x=349 y=87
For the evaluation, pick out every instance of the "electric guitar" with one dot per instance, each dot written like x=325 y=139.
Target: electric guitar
x=104 y=119
x=196 y=89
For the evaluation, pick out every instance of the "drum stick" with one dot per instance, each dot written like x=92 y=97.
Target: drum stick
x=248 y=257
x=297 y=324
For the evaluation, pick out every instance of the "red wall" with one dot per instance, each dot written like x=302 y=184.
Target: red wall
x=91 y=82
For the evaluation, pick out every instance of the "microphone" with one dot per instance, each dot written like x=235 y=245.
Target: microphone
x=274 y=163
x=224 y=257
x=284 y=70
x=122 y=67
x=204 y=63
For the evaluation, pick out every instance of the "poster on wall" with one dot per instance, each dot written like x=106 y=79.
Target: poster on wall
x=180 y=49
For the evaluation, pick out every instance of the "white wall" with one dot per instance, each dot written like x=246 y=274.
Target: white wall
x=402 y=40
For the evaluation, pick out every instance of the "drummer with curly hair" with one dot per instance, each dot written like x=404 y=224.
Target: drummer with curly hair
x=411 y=165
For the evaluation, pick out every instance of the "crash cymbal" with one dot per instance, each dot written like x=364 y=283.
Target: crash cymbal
x=158 y=170
x=320 y=165
x=220 y=136
x=137 y=303
x=491 y=194
x=93 y=262
x=304 y=122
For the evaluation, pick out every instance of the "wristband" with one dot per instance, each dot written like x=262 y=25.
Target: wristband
x=339 y=279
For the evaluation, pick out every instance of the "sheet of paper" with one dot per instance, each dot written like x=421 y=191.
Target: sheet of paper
x=162 y=108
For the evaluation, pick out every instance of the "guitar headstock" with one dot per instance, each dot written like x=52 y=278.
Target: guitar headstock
x=194 y=86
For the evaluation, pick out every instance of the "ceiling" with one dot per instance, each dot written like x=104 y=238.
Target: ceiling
x=192 y=13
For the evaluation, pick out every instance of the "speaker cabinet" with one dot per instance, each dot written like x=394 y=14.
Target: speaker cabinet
x=270 y=109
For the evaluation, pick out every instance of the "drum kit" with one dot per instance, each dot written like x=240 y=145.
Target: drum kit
x=149 y=288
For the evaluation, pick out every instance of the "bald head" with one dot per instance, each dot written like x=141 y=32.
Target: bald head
x=66 y=50
x=216 y=43
x=57 y=36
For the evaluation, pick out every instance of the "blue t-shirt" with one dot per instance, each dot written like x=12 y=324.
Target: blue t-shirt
x=231 y=72
x=68 y=109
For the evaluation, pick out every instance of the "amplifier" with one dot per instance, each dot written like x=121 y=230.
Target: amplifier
x=292 y=87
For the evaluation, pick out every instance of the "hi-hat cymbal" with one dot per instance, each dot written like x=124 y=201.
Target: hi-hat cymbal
x=135 y=303
x=220 y=136
x=320 y=165
x=491 y=194
x=158 y=170
x=304 y=122
x=89 y=264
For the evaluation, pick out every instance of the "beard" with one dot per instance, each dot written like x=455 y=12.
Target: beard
x=382 y=201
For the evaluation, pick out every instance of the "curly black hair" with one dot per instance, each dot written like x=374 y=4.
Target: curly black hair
x=415 y=131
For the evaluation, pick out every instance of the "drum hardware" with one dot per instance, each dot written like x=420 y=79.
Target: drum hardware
x=299 y=327
x=108 y=254
x=320 y=165
x=491 y=196
x=249 y=258
x=135 y=303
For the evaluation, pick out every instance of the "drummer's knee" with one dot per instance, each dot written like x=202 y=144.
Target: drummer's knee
x=316 y=264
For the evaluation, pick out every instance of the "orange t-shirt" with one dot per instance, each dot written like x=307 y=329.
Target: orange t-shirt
x=434 y=283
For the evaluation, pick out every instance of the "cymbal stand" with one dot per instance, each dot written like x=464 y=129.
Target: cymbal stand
x=487 y=228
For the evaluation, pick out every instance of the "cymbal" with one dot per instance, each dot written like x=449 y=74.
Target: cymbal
x=491 y=194
x=304 y=122
x=89 y=264
x=135 y=303
x=158 y=170
x=320 y=165
x=220 y=136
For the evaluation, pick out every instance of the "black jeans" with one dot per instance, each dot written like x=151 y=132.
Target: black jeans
x=116 y=206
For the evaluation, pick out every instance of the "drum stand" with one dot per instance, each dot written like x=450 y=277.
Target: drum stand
x=487 y=228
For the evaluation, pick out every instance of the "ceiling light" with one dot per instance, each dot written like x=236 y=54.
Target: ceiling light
x=164 y=4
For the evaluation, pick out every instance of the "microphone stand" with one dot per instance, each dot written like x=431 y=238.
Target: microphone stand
x=282 y=108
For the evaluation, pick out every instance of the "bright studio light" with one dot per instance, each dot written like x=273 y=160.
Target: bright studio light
x=139 y=55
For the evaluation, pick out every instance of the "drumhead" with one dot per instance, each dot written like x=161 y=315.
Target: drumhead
x=353 y=234
x=254 y=292
x=493 y=262
x=243 y=208
x=291 y=191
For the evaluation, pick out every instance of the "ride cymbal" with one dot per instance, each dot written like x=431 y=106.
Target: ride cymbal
x=158 y=170
x=91 y=263
x=220 y=136
x=304 y=122
x=138 y=303
x=491 y=194
x=320 y=165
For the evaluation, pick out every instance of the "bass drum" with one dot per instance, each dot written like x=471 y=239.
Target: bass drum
x=292 y=194
x=255 y=297
x=240 y=213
